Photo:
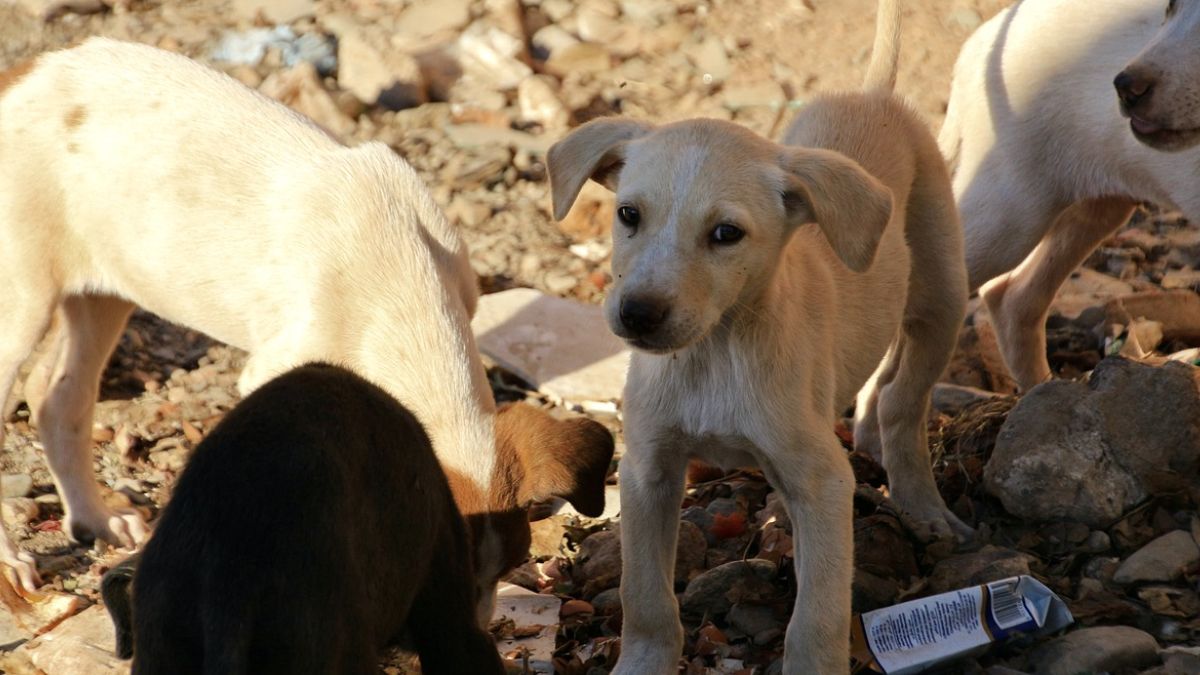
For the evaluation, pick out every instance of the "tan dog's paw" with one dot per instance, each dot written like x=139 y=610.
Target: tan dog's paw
x=123 y=527
x=938 y=522
x=22 y=564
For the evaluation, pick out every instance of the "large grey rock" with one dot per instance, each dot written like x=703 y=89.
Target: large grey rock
x=1095 y=650
x=562 y=347
x=1088 y=452
x=1163 y=559
x=598 y=565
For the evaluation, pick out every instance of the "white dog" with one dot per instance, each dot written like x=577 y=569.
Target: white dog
x=761 y=285
x=130 y=175
x=1046 y=165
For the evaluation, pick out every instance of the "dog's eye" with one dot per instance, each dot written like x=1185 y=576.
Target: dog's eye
x=727 y=233
x=629 y=216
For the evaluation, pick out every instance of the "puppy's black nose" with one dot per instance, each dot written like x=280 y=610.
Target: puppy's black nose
x=641 y=316
x=1133 y=87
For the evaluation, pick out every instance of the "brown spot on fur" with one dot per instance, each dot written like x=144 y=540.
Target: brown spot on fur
x=13 y=75
x=75 y=117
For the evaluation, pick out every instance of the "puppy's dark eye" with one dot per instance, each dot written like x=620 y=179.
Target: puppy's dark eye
x=629 y=216
x=727 y=233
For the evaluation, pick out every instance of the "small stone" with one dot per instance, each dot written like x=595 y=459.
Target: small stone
x=538 y=101
x=1177 y=311
x=608 y=601
x=274 y=11
x=595 y=25
x=766 y=94
x=709 y=57
x=991 y=563
x=18 y=511
x=492 y=56
x=1093 y=650
x=752 y=619
x=709 y=593
x=377 y=74
x=425 y=18
x=300 y=88
x=574 y=606
x=552 y=38
x=584 y=57
x=1189 y=279
x=598 y=565
x=1163 y=559
x=15 y=485
x=951 y=399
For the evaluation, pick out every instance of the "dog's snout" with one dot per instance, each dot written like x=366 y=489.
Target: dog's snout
x=1132 y=87
x=641 y=316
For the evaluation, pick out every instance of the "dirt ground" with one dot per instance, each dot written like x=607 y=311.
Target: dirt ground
x=753 y=61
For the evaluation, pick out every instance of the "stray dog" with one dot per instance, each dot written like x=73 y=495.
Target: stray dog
x=761 y=285
x=130 y=175
x=316 y=456
x=1045 y=167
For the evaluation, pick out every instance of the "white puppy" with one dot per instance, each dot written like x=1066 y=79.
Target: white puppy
x=761 y=285
x=1045 y=164
x=130 y=175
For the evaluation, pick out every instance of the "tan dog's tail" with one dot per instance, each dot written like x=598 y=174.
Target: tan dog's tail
x=885 y=53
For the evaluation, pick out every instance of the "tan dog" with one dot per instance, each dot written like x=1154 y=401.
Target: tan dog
x=130 y=175
x=1047 y=166
x=762 y=285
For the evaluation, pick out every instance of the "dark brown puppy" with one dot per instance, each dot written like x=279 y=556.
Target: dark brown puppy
x=308 y=531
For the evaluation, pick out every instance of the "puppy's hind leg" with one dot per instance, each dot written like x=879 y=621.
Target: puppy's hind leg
x=1019 y=300
x=867 y=438
x=93 y=325
x=27 y=316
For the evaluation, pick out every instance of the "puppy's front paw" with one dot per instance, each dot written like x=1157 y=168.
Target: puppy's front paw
x=937 y=523
x=646 y=660
x=22 y=564
x=122 y=527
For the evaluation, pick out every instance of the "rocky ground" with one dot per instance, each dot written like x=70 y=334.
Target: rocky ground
x=1089 y=484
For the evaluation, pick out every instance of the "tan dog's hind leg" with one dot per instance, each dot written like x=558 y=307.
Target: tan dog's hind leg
x=1019 y=300
x=26 y=319
x=817 y=485
x=92 y=324
x=651 y=484
x=52 y=353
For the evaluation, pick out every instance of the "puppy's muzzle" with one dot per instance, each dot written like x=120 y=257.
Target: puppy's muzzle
x=641 y=317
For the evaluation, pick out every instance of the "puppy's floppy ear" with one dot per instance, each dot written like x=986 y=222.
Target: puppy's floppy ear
x=594 y=150
x=560 y=458
x=851 y=206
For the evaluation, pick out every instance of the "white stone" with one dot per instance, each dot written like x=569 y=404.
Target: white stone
x=425 y=18
x=1163 y=559
x=378 y=74
x=562 y=347
x=15 y=485
x=491 y=55
x=538 y=101
x=527 y=608
x=710 y=59
x=275 y=11
x=81 y=645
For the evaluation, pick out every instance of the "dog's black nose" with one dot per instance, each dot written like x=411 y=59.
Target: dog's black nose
x=1133 y=87
x=642 y=316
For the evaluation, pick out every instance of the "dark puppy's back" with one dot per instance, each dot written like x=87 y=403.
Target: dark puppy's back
x=303 y=533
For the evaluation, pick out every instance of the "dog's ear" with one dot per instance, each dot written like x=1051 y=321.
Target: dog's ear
x=595 y=150
x=851 y=206
x=559 y=458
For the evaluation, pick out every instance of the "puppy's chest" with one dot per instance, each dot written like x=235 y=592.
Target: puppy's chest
x=721 y=404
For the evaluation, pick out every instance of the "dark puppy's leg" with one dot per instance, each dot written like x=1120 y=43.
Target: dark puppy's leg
x=114 y=589
x=442 y=618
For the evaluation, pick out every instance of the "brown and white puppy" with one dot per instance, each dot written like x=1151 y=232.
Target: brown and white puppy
x=762 y=285
x=134 y=176
x=346 y=537
x=1049 y=160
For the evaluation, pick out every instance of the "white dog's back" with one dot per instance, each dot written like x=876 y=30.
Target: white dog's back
x=99 y=177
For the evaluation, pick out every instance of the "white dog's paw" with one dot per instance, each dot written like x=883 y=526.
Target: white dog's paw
x=930 y=519
x=646 y=659
x=22 y=564
x=122 y=527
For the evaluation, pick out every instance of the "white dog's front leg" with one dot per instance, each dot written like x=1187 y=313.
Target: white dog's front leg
x=651 y=479
x=817 y=485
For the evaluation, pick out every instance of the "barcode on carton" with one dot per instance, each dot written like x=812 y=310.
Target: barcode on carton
x=1008 y=608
